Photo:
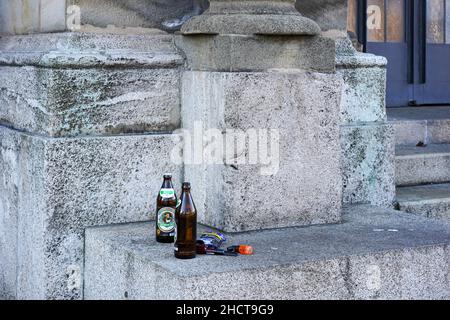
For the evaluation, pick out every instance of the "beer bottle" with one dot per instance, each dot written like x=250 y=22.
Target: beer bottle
x=186 y=224
x=165 y=212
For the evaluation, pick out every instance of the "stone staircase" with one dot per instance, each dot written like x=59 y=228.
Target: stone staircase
x=423 y=160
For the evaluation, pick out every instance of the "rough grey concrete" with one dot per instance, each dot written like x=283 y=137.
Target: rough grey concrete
x=368 y=164
x=373 y=254
x=251 y=17
x=438 y=131
x=410 y=133
x=304 y=107
x=9 y=186
x=93 y=47
x=88 y=88
x=258 y=53
x=54 y=188
x=421 y=165
x=432 y=201
x=364 y=90
x=256 y=7
x=420 y=124
x=264 y=24
x=68 y=102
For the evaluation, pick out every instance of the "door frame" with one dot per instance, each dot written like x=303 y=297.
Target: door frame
x=415 y=39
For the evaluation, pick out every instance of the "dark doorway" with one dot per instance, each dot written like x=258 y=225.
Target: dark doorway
x=414 y=35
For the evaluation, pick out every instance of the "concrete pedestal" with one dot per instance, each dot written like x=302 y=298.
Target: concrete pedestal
x=261 y=65
x=300 y=187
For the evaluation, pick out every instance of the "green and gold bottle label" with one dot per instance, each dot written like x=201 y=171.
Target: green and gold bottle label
x=166 y=220
x=167 y=193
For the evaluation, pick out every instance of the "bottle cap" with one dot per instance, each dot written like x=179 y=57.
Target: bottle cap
x=186 y=185
x=167 y=176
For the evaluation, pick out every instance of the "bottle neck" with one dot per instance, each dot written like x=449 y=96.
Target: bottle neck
x=186 y=192
x=187 y=204
x=167 y=184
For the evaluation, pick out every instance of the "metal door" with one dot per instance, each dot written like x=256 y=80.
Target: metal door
x=414 y=35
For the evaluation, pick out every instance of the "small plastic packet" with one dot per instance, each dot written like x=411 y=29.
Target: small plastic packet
x=212 y=240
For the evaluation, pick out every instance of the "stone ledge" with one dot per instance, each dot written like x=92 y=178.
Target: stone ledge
x=430 y=125
x=91 y=50
x=251 y=17
x=422 y=165
x=266 y=24
x=234 y=53
x=373 y=254
x=360 y=60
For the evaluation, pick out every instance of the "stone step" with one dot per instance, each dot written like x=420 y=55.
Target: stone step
x=430 y=125
x=432 y=201
x=373 y=254
x=422 y=165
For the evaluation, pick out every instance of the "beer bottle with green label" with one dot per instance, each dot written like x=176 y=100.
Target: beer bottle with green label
x=165 y=211
x=186 y=218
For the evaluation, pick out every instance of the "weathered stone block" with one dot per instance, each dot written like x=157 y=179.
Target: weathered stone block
x=257 y=53
x=374 y=254
x=52 y=189
x=304 y=108
x=68 y=102
x=364 y=89
x=438 y=131
x=368 y=164
x=90 y=84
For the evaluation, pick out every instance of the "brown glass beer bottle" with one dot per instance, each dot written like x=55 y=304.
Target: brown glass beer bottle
x=186 y=224
x=165 y=212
